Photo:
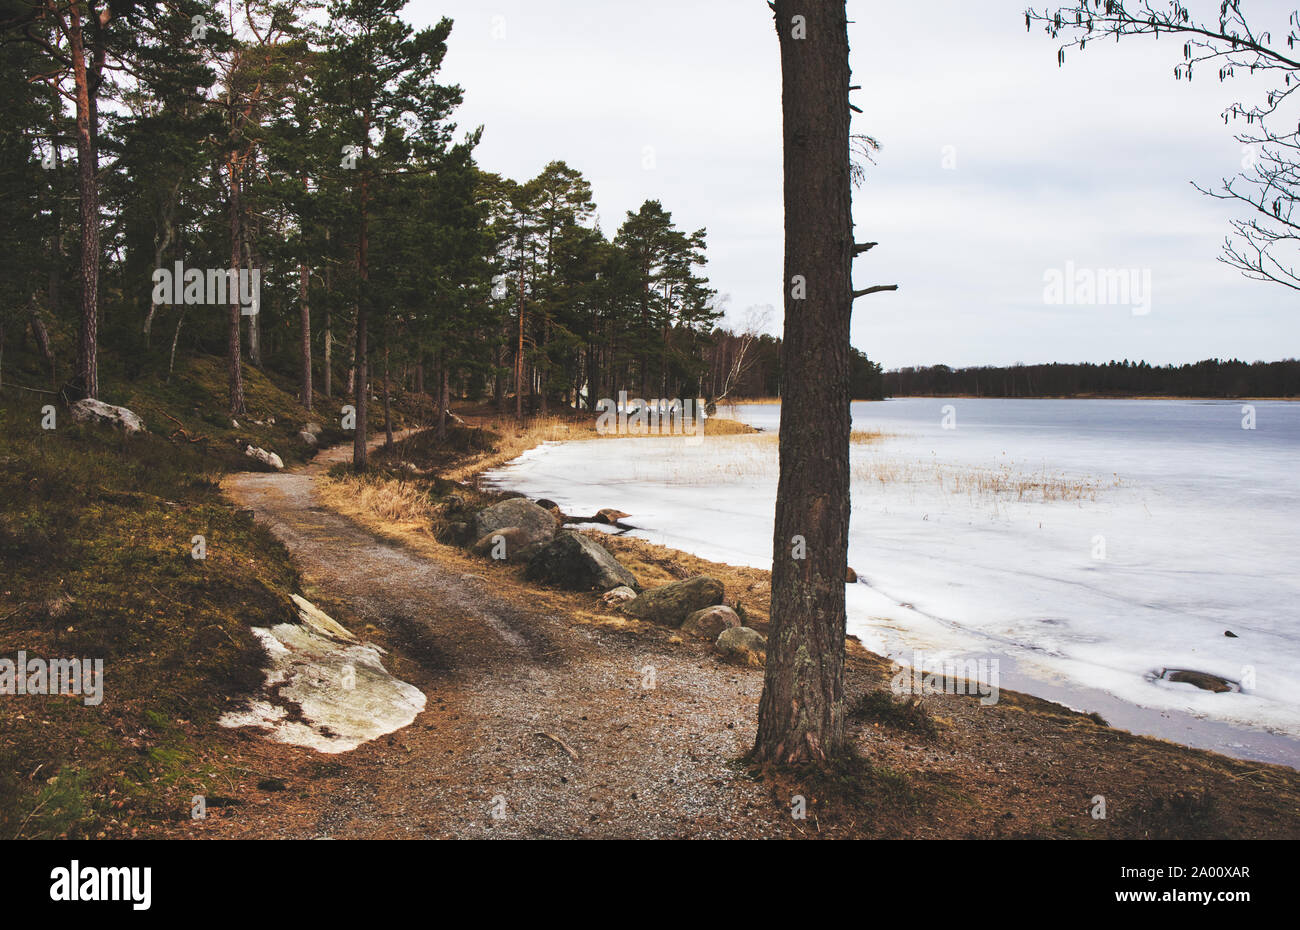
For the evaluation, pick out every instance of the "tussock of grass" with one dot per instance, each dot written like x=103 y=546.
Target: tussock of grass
x=405 y=507
x=880 y=707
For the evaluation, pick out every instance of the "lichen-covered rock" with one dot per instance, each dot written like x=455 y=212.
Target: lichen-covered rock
x=89 y=410
x=709 y=622
x=269 y=459
x=534 y=523
x=573 y=561
x=673 y=603
x=743 y=646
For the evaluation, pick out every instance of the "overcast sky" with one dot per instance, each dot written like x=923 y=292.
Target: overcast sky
x=997 y=165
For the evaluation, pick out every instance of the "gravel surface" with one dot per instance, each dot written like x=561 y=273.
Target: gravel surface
x=535 y=727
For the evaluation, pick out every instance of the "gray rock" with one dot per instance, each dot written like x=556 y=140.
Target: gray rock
x=709 y=622
x=573 y=561
x=1206 y=681
x=512 y=542
x=269 y=459
x=308 y=437
x=89 y=410
x=534 y=523
x=673 y=603
x=743 y=646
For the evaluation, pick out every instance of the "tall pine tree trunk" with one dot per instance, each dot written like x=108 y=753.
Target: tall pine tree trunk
x=255 y=320
x=801 y=713
x=329 y=327
x=359 y=449
x=88 y=182
x=305 y=306
x=235 y=372
x=519 y=349
x=388 y=410
x=444 y=396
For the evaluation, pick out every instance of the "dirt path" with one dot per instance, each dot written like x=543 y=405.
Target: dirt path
x=534 y=726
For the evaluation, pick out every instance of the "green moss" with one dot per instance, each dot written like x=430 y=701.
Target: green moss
x=95 y=562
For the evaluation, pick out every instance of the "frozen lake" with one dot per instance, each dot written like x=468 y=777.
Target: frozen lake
x=1086 y=544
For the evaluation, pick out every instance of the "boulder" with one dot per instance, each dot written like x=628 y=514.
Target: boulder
x=308 y=437
x=1206 y=681
x=269 y=459
x=673 y=603
x=850 y=576
x=709 y=622
x=514 y=543
x=534 y=524
x=573 y=561
x=610 y=516
x=90 y=410
x=313 y=428
x=616 y=596
x=743 y=646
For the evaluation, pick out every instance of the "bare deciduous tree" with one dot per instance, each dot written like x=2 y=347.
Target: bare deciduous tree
x=1265 y=246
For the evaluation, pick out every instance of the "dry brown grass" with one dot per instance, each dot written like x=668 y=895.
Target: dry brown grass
x=1001 y=483
x=514 y=440
x=404 y=509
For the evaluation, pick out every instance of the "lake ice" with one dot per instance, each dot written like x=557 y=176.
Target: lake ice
x=1088 y=543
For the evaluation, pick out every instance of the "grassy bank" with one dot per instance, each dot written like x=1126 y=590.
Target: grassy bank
x=96 y=554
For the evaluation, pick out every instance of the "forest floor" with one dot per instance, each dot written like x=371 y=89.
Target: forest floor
x=549 y=716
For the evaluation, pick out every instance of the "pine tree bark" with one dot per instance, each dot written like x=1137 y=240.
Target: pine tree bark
x=305 y=307
x=388 y=410
x=328 y=373
x=801 y=713
x=235 y=371
x=359 y=450
x=88 y=181
x=519 y=346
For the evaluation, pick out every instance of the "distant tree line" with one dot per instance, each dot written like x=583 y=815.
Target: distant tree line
x=1209 y=378
x=748 y=365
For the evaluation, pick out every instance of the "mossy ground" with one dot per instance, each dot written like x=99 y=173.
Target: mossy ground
x=96 y=561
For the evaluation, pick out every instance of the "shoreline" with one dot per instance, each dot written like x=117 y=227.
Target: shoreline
x=1256 y=744
x=944 y=766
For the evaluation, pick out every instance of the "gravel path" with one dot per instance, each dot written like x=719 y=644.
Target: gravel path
x=535 y=727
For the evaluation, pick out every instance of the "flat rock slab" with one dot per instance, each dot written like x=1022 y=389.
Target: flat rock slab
x=346 y=695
